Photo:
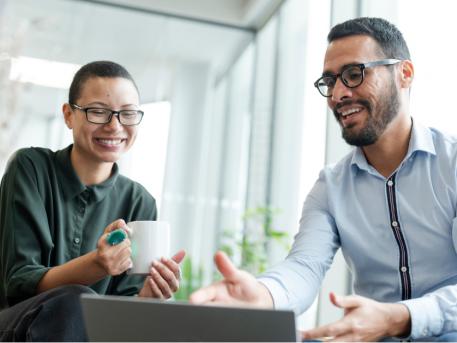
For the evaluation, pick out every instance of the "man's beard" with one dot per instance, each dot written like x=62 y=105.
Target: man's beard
x=389 y=105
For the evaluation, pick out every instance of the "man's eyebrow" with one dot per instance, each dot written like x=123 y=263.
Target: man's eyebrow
x=350 y=65
x=329 y=73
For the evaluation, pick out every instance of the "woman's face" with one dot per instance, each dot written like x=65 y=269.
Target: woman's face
x=103 y=143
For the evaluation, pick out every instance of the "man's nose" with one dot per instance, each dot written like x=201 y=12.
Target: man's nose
x=340 y=91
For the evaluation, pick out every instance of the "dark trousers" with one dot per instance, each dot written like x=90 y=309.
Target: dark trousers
x=54 y=315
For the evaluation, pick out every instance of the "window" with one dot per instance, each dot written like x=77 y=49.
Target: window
x=145 y=163
x=430 y=34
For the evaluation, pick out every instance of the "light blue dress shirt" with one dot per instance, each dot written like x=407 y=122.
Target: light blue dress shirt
x=398 y=235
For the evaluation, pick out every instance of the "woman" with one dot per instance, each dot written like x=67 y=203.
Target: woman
x=57 y=209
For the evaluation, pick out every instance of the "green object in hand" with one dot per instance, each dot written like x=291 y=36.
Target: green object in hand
x=116 y=236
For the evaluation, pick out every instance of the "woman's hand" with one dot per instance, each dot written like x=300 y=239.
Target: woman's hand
x=164 y=277
x=114 y=259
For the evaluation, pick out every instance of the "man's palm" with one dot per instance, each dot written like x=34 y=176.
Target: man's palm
x=238 y=288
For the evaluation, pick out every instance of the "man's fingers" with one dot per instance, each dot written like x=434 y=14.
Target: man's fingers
x=342 y=338
x=344 y=301
x=225 y=266
x=326 y=332
x=204 y=295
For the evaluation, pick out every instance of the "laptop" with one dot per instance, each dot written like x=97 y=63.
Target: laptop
x=116 y=318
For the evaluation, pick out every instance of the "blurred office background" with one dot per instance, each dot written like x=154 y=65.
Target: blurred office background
x=233 y=123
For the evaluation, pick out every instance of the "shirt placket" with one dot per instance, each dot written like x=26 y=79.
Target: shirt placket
x=81 y=207
x=396 y=230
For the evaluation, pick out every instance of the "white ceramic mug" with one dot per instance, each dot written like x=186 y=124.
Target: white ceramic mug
x=150 y=241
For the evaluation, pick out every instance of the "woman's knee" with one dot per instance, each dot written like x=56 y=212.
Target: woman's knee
x=60 y=316
x=70 y=290
x=66 y=299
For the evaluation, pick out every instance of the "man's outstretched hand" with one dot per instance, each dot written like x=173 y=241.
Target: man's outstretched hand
x=238 y=288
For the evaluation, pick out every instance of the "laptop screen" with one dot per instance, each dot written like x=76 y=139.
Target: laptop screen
x=115 y=318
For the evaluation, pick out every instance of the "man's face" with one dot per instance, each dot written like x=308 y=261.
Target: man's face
x=103 y=142
x=363 y=112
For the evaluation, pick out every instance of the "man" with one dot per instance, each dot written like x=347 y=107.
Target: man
x=390 y=205
x=57 y=209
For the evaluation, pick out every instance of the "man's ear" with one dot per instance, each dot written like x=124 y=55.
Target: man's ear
x=406 y=73
x=68 y=115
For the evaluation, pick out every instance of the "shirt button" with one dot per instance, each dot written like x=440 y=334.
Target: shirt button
x=403 y=269
x=394 y=224
x=76 y=240
x=390 y=183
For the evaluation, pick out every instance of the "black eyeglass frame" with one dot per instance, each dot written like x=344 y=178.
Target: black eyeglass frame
x=116 y=113
x=362 y=66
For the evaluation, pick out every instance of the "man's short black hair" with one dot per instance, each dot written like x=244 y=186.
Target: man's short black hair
x=96 y=69
x=389 y=38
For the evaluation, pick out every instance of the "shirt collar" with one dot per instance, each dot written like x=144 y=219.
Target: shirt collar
x=72 y=185
x=102 y=189
x=421 y=140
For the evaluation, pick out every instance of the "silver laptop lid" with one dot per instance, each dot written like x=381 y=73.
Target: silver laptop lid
x=114 y=318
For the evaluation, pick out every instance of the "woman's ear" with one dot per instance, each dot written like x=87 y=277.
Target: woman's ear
x=68 y=115
x=406 y=73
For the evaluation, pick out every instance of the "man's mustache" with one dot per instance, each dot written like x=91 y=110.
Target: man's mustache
x=364 y=103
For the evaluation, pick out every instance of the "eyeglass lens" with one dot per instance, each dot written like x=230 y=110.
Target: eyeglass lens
x=102 y=116
x=351 y=77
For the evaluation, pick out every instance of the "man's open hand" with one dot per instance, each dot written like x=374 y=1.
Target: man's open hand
x=364 y=320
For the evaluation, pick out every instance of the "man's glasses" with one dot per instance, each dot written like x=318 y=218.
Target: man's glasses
x=352 y=76
x=97 y=115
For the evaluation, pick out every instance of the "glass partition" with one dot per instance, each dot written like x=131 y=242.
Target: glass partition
x=233 y=126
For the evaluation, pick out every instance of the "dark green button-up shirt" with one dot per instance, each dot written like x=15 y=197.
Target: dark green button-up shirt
x=48 y=217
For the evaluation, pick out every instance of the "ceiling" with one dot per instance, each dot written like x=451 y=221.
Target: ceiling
x=243 y=14
x=152 y=38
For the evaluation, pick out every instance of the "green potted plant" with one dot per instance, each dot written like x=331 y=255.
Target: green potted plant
x=252 y=245
x=249 y=248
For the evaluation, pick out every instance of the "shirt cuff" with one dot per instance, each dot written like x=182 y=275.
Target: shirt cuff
x=426 y=317
x=23 y=285
x=278 y=294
